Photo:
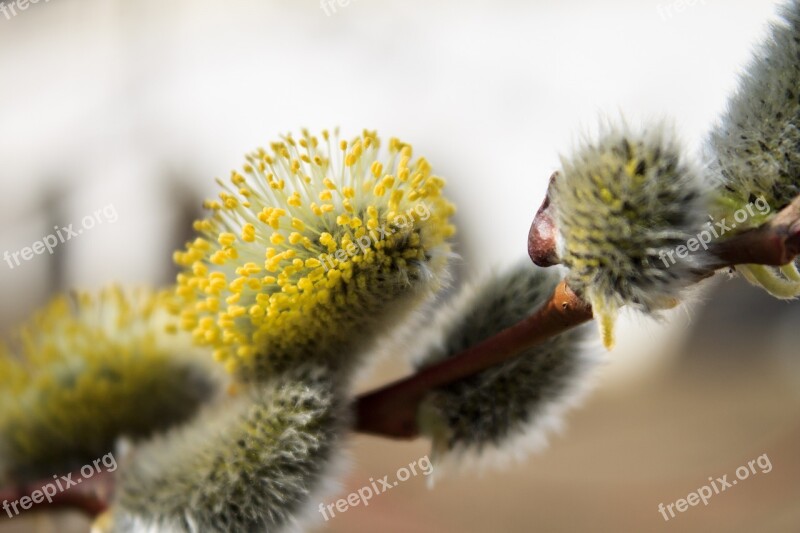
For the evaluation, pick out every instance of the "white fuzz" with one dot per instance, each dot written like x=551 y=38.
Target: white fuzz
x=510 y=409
x=624 y=204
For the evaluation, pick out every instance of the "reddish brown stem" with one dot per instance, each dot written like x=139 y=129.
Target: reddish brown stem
x=392 y=410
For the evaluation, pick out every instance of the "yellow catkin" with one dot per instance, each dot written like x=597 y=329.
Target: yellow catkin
x=334 y=227
x=87 y=369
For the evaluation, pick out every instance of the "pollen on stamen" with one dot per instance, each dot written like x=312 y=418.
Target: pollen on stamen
x=297 y=238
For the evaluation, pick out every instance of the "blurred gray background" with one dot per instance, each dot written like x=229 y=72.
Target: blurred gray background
x=139 y=105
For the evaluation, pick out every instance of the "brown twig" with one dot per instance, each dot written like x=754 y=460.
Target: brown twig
x=392 y=410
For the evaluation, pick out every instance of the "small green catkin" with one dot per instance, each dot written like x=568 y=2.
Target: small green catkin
x=754 y=151
x=623 y=204
x=257 y=463
x=516 y=404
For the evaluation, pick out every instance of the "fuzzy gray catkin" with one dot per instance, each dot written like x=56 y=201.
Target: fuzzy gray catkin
x=756 y=146
x=623 y=204
x=754 y=152
x=253 y=465
x=521 y=398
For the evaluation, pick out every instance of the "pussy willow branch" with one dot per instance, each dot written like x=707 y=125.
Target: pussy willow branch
x=391 y=411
